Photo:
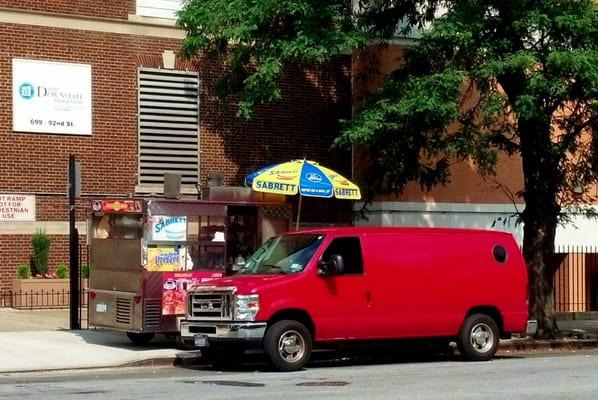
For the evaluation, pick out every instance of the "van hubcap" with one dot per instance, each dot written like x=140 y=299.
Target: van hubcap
x=291 y=346
x=482 y=337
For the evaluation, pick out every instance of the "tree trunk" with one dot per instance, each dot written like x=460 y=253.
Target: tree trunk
x=542 y=179
x=538 y=245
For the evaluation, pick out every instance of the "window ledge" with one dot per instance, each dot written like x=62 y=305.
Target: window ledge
x=159 y=190
x=140 y=19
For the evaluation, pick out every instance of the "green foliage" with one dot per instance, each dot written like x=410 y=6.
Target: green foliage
x=532 y=68
x=62 y=271
x=259 y=37
x=41 y=242
x=23 y=271
x=85 y=270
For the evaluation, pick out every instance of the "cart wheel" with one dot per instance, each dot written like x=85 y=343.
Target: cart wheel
x=140 y=339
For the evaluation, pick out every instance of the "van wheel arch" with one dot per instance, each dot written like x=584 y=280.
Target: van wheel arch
x=490 y=311
x=295 y=315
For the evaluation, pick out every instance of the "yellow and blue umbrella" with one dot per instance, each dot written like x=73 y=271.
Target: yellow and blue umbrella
x=308 y=178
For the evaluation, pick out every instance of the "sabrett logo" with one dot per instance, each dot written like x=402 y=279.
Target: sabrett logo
x=283 y=187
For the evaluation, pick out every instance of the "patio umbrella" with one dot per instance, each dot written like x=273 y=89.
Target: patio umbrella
x=308 y=178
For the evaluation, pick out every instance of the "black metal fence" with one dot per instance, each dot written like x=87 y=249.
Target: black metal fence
x=576 y=278
x=48 y=299
x=575 y=282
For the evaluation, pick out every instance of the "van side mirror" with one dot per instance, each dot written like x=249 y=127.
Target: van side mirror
x=335 y=266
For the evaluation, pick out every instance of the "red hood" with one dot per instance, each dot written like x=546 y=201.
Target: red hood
x=247 y=284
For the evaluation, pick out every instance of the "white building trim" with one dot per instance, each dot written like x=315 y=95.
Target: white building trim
x=580 y=231
x=136 y=26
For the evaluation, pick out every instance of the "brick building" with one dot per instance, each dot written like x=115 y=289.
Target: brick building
x=130 y=110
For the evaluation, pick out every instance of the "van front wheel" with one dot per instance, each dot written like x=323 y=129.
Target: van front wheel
x=478 y=338
x=287 y=345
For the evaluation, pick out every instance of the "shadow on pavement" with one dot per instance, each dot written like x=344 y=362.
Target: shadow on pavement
x=357 y=355
x=120 y=340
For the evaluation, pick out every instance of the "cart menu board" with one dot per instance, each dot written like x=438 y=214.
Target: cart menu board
x=175 y=286
x=167 y=228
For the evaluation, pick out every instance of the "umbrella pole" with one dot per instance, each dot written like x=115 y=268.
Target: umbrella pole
x=298 y=212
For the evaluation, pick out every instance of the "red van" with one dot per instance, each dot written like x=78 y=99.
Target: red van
x=323 y=286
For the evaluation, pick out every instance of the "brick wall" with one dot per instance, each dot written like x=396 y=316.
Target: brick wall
x=117 y=9
x=303 y=124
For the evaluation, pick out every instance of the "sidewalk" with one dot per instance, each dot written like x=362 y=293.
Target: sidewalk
x=41 y=341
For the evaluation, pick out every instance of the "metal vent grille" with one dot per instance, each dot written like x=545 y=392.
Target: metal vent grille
x=168 y=126
x=152 y=311
x=123 y=310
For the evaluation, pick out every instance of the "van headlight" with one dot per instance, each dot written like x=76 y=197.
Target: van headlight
x=246 y=307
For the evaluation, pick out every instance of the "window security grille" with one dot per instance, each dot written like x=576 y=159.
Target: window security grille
x=168 y=126
x=159 y=8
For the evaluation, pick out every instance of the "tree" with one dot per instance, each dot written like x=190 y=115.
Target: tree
x=259 y=37
x=487 y=77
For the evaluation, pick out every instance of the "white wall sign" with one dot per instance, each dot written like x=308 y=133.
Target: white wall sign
x=51 y=97
x=16 y=207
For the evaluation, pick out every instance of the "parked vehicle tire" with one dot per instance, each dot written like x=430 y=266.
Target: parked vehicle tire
x=478 y=338
x=288 y=345
x=140 y=338
x=222 y=357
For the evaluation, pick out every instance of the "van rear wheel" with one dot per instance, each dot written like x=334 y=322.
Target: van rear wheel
x=288 y=345
x=478 y=338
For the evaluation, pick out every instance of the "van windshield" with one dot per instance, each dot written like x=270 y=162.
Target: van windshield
x=287 y=254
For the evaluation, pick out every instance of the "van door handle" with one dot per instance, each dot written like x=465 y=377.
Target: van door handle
x=368 y=297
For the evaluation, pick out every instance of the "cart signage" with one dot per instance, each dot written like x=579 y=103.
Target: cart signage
x=168 y=228
x=133 y=206
x=175 y=286
x=167 y=258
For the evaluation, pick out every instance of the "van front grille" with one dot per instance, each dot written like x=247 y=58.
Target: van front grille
x=123 y=310
x=217 y=305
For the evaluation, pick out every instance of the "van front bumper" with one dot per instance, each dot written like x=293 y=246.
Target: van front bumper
x=201 y=333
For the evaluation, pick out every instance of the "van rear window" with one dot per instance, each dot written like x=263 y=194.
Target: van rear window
x=500 y=254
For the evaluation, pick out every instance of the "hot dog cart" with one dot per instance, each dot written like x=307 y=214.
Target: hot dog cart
x=145 y=252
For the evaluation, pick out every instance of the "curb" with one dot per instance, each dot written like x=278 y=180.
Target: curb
x=189 y=358
x=547 y=345
x=180 y=359
x=151 y=362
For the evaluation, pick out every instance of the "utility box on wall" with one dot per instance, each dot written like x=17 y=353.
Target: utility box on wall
x=172 y=185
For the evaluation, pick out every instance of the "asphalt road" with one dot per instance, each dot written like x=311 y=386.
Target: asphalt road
x=563 y=376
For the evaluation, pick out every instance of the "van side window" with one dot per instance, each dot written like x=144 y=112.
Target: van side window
x=350 y=249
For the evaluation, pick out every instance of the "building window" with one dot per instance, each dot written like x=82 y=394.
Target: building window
x=159 y=8
x=168 y=127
